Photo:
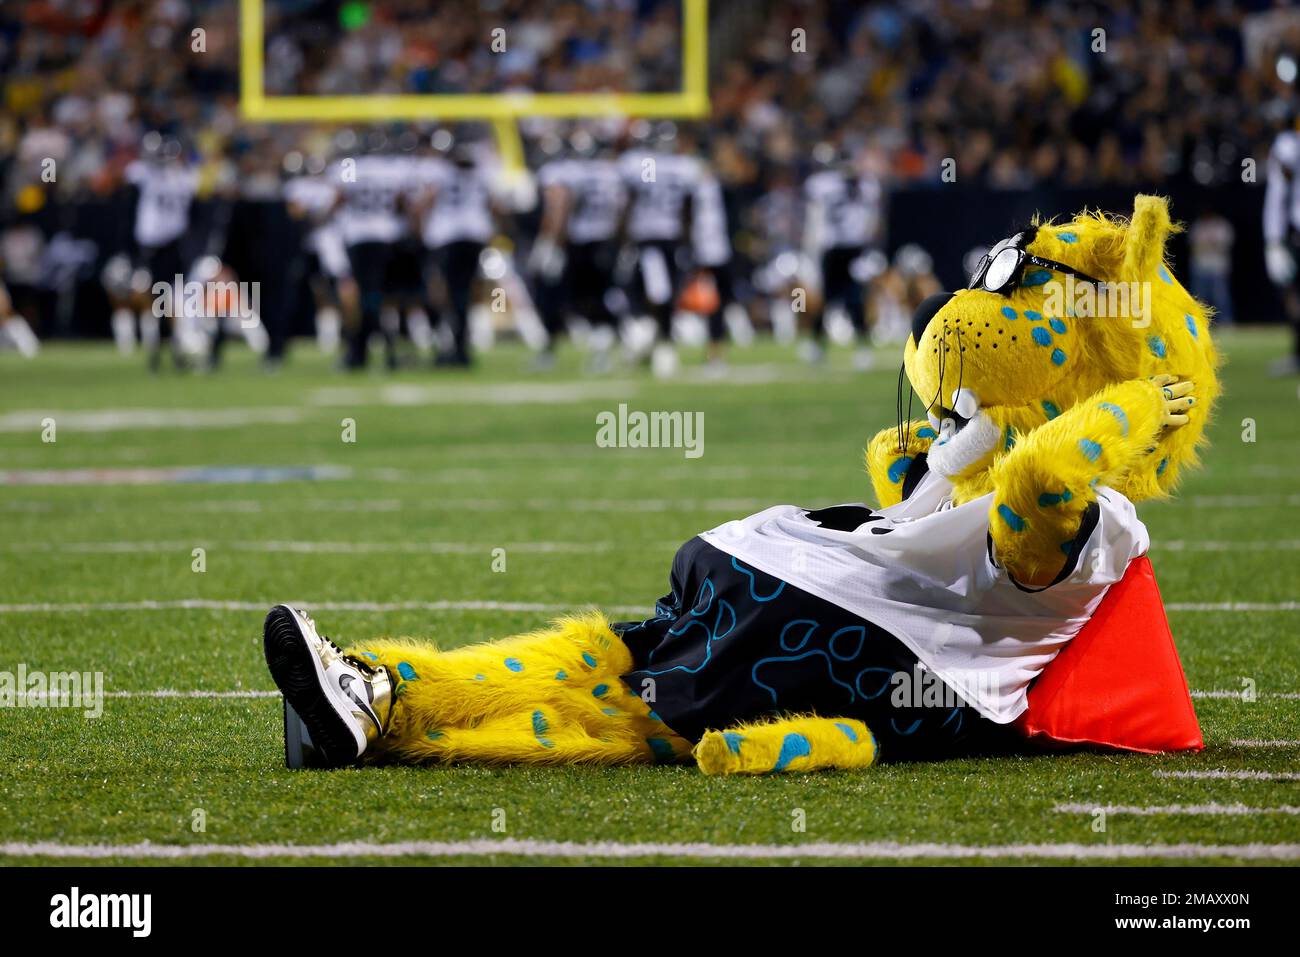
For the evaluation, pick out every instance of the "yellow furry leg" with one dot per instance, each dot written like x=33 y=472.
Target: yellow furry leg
x=805 y=743
x=548 y=697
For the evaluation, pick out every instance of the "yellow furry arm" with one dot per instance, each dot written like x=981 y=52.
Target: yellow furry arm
x=802 y=743
x=887 y=464
x=1043 y=486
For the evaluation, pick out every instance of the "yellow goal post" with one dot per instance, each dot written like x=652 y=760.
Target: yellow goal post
x=502 y=110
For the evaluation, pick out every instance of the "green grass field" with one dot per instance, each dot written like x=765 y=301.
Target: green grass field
x=446 y=469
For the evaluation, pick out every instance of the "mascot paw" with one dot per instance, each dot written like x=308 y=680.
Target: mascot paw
x=792 y=744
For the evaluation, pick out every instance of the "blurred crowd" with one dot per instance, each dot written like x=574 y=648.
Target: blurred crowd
x=1004 y=94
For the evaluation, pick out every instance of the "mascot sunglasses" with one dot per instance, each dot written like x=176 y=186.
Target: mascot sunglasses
x=1003 y=265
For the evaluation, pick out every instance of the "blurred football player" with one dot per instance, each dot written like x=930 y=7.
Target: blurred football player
x=457 y=220
x=1282 y=236
x=657 y=227
x=166 y=184
x=842 y=220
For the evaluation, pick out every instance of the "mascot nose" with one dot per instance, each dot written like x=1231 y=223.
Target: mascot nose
x=925 y=312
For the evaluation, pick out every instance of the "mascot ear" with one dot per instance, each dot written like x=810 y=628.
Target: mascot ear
x=1144 y=241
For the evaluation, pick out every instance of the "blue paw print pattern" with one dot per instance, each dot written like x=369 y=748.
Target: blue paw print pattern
x=540 y=727
x=847 y=731
x=1048 y=499
x=1067 y=237
x=1191 y=326
x=1157 y=346
x=514 y=664
x=1014 y=522
x=769 y=592
x=898 y=469
x=715 y=625
x=1051 y=409
x=1091 y=450
x=1164 y=275
x=1038 y=277
x=1119 y=414
x=925 y=432
x=1010 y=313
x=793 y=746
x=734 y=739
x=1033 y=315
x=1043 y=337
x=407 y=671
x=842 y=647
x=662 y=750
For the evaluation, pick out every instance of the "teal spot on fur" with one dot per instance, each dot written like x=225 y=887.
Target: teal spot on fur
x=1058 y=357
x=1090 y=449
x=1042 y=336
x=1057 y=325
x=407 y=672
x=1032 y=315
x=654 y=715
x=600 y=690
x=609 y=711
x=435 y=735
x=899 y=469
x=1036 y=278
x=1052 y=409
x=479 y=678
x=925 y=432
x=794 y=746
x=733 y=740
x=663 y=751
x=1008 y=438
x=590 y=659
x=1191 y=327
x=1164 y=464
x=1164 y=274
x=1067 y=237
x=1052 y=498
x=848 y=731
x=540 y=728
x=1119 y=414
x=372 y=656
x=1014 y=521
x=1157 y=346
x=514 y=664
x=1010 y=313
x=561 y=675
x=1067 y=547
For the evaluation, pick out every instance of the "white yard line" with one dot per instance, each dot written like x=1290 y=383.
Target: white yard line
x=1230 y=775
x=205 y=604
x=878 y=850
x=116 y=420
x=1256 y=743
x=1211 y=810
x=1239 y=695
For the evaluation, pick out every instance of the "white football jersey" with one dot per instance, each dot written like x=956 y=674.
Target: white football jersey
x=317 y=196
x=162 y=213
x=659 y=185
x=596 y=187
x=1282 y=191
x=922 y=570
x=372 y=188
x=462 y=204
x=842 y=212
x=709 y=237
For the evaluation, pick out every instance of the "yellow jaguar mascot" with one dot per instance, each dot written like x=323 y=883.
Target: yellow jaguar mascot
x=1072 y=378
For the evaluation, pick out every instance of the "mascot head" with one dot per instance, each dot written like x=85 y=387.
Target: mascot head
x=1053 y=314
